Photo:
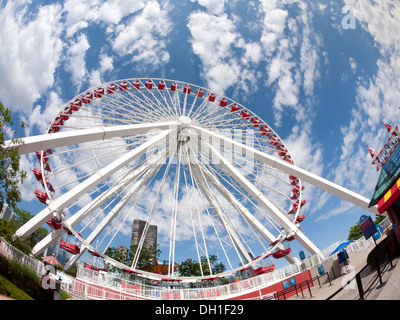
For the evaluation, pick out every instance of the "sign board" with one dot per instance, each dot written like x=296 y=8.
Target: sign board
x=392 y=163
x=285 y=284
x=388 y=150
x=367 y=227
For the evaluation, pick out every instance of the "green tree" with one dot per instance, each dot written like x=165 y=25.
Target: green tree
x=11 y=175
x=8 y=228
x=355 y=231
x=147 y=255
x=191 y=268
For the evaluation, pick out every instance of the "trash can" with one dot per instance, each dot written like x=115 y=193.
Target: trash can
x=57 y=291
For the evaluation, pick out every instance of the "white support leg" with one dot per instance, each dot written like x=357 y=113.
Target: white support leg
x=60 y=203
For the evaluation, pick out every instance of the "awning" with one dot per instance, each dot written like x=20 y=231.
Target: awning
x=390 y=196
x=341 y=246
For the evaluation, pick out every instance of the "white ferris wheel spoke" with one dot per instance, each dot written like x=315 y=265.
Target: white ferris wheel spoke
x=59 y=204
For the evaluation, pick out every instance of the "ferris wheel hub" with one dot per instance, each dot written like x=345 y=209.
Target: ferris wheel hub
x=185 y=120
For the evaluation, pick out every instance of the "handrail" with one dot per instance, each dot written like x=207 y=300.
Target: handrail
x=300 y=286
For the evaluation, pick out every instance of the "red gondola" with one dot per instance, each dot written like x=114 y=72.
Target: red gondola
x=288 y=159
x=265 y=130
x=199 y=93
x=262 y=270
x=245 y=114
x=38 y=174
x=300 y=218
x=280 y=253
x=187 y=89
x=149 y=84
x=266 y=265
x=75 y=105
x=234 y=108
x=111 y=88
x=65 y=113
x=71 y=248
x=274 y=140
x=210 y=287
x=161 y=85
x=42 y=196
x=99 y=92
x=174 y=86
x=135 y=85
x=211 y=97
x=50 y=187
x=123 y=86
x=255 y=122
x=173 y=287
x=297 y=189
x=87 y=97
x=56 y=126
x=223 y=102
x=54 y=224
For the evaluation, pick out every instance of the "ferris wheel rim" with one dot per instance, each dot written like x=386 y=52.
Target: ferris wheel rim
x=156 y=79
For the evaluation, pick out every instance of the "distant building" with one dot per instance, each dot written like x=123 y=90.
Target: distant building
x=123 y=250
x=137 y=231
x=6 y=212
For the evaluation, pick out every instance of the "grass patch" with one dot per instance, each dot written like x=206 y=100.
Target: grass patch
x=9 y=289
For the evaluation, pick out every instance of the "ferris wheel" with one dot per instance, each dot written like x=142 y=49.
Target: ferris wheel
x=215 y=179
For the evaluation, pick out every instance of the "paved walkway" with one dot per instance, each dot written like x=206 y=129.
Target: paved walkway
x=388 y=290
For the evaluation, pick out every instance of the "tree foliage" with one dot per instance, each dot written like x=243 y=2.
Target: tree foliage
x=11 y=175
x=191 y=268
x=146 y=256
x=8 y=228
x=355 y=231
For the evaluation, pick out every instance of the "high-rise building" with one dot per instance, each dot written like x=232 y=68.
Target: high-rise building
x=137 y=231
x=6 y=212
x=123 y=250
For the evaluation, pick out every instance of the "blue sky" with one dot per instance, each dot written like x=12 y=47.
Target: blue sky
x=324 y=88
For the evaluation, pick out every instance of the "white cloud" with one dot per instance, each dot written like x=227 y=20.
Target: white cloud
x=282 y=37
x=31 y=49
x=353 y=64
x=106 y=64
x=214 y=39
x=79 y=13
x=145 y=35
x=213 y=6
x=76 y=62
x=376 y=97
